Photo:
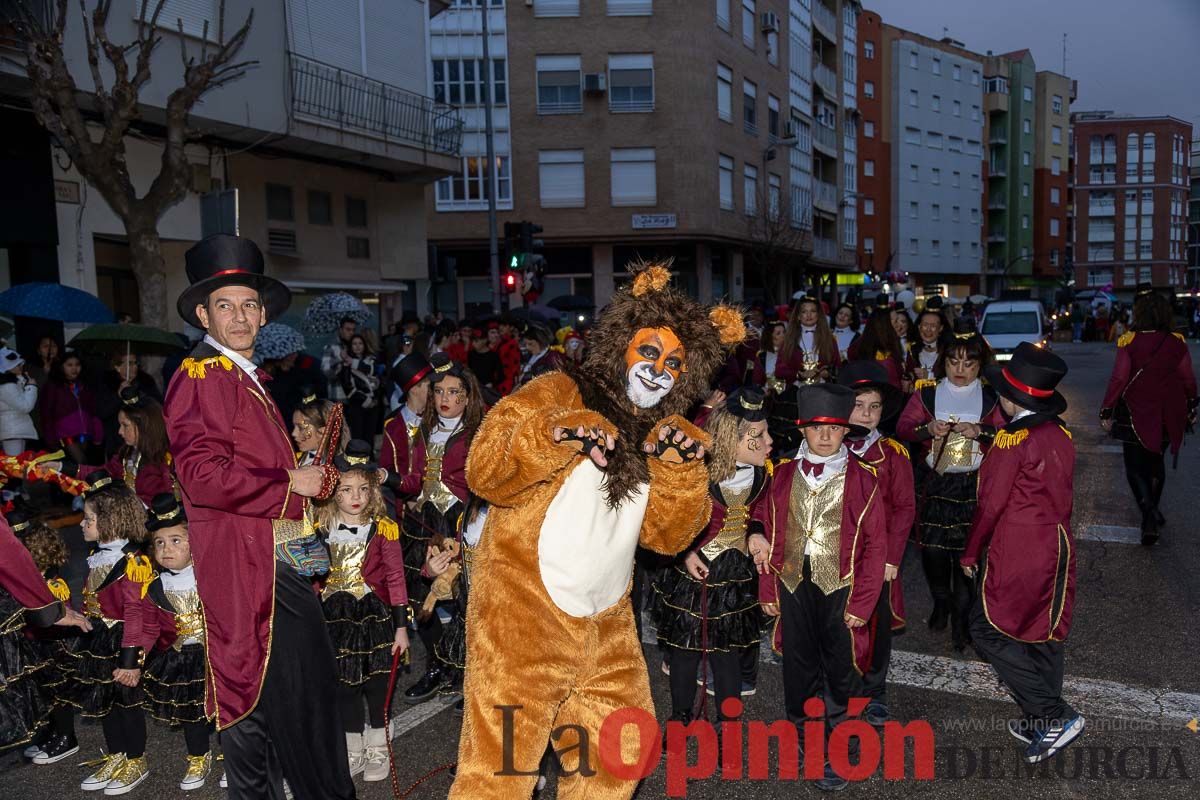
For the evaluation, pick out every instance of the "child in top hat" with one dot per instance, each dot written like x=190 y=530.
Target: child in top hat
x=1023 y=521
x=707 y=601
x=365 y=603
x=875 y=399
x=400 y=434
x=174 y=680
x=827 y=526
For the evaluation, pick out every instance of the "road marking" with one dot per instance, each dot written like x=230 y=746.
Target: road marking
x=403 y=723
x=1100 y=448
x=1120 y=534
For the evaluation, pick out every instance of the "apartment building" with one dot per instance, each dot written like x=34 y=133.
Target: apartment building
x=1193 y=280
x=330 y=140
x=1131 y=187
x=1053 y=96
x=721 y=134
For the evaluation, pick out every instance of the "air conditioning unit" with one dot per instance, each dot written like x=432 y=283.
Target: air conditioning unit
x=770 y=22
x=595 y=82
x=281 y=241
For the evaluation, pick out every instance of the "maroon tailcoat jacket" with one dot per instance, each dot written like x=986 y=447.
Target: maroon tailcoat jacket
x=913 y=425
x=454 y=468
x=22 y=579
x=890 y=460
x=1153 y=375
x=232 y=457
x=864 y=543
x=744 y=366
x=1023 y=519
x=395 y=455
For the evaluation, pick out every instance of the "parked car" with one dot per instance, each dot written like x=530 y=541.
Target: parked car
x=1007 y=323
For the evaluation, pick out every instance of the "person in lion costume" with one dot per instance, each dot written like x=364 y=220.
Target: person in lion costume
x=579 y=468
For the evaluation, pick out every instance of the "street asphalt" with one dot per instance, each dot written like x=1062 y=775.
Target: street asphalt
x=1129 y=661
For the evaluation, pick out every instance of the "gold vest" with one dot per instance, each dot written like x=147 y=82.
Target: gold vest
x=815 y=516
x=812 y=361
x=346 y=569
x=189 y=615
x=433 y=490
x=957 y=451
x=91 y=589
x=732 y=535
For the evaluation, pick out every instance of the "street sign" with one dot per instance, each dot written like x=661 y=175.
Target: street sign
x=652 y=221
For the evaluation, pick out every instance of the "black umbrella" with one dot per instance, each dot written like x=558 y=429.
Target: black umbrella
x=571 y=302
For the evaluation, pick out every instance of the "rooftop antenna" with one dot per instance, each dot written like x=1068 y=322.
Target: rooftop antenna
x=1064 y=72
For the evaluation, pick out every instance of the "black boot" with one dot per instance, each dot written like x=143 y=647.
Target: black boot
x=940 y=615
x=425 y=688
x=682 y=717
x=1149 y=527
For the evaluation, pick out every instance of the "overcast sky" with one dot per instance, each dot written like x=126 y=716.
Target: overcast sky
x=1130 y=56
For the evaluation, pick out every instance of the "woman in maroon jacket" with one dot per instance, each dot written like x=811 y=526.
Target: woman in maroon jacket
x=1151 y=399
x=68 y=410
x=437 y=479
x=880 y=342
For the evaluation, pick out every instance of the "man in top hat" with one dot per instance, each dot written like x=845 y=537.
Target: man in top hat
x=271 y=664
x=876 y=400
x=537 y=339
x=1023 y=520
x=827 y=526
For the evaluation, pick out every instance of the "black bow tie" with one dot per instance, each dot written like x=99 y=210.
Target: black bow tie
x=344 y=527
x=931 y=348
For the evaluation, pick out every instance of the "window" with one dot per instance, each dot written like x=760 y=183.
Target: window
x=975 y=249
x=1055 y=196
x=955 y=145
x=974 y=77
x=975 y=182
x=560 y=178
x=556 y=8
x=633 y=177
x=912 y=59
x=936 y=103
x=1056 y=134
x=1053 y=227
x=462 y=81
x=955 y=213
x=913 y=210
x=974 y=216
x=774 y=190
x=975 y=113
x=468 y=189
x=630 y=8
x=1026 y=126
x=868 y=50
x=869 y=244
x=1027 y=93
x=279 y=203
x=936 y=247
x=631 y=82
x=912 y=136
x=869 y=168
x=956 y=71
x=1054 y=257
x=1026 y=158
x=1055 y=165
x=936 y=66
x=913 y=98
x=957 y=108
x=868 y=89
x=724 y=92
x=725 y=179
x=937 y=212
x=868 y=207
x=913 y=173
x=955 y=249
x=558 y=85
x=1144 y=254
x=748 y=26
x=937 y=176
x=358 y=247
x=1056 y=104
x=320 y=208
x=956 y=179
x=933 y=140
x=1024 y=222
x=912 y=247
x=772 y=116
x=868 y=129
x=723 y=14
x=749 y=108
x=750 y=189
x=356 y=212
x=1024 y=190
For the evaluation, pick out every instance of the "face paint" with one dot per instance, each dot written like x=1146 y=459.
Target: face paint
x=654 y=362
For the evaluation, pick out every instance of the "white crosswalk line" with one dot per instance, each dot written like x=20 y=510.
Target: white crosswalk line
x=1121 y=534
x=402 y=723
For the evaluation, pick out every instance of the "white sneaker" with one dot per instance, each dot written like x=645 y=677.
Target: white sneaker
x=128 y=777
x=375 y=754
x=224 y=782
x=354 y=750
x=197 y=772
x=110 y=765
x=32 y=751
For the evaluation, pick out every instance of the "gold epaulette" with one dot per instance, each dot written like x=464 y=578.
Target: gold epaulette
x=1180 y=337
x=1005 y=440
x=388 y=529
x=139 y=570
x=899 y=448
x=1125 y=338
x=770 y=466
x=59 y=588
x=868 y=468
x=880 y=355
x=1063 y=428
x=924 y=383
x=197 y=368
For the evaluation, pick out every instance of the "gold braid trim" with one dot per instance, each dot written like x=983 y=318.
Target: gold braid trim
x=388 y=529
x=1063 y=428
x=196 y=369
x=899 y=448
x=1125 y=338
x=1005 y=440
x=924 y=383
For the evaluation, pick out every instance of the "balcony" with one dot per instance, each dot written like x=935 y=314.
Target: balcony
x=996 y=237
x=997 y=203
x=997 y=170
x=826 y=139
x=825 y=249
x=1106 y=234
x=331 y=97
x=825 y=79
x=998 y=137
x=825 y=196
x=825 y=21
x=1102 y=209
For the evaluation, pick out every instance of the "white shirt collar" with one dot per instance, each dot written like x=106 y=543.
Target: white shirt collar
x=834 y=464
x=246 y=365
x=180 y=581
x=1024 y=412
x=410 y=417
x=109 y=553
x=861 y=446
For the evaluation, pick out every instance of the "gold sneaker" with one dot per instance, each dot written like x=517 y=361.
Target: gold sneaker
x=128 y=777
x=197 y=771
x=110 y=764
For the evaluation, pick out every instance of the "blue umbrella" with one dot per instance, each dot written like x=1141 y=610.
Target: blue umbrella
x=53 y=301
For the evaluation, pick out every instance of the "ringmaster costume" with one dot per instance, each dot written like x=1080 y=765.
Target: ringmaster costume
x=271 y=676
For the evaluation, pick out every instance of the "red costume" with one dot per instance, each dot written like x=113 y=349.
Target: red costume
x=146 y=480
x=744 y=367
x=510 y=361
x=1153 y=378
x=913 y=425
x=22 y=579
x=891 y=462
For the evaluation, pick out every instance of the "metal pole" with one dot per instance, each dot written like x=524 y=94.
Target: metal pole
x=493 y=180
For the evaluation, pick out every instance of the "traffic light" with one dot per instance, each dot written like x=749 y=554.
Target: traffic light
x=510 y=282
x=528 y=243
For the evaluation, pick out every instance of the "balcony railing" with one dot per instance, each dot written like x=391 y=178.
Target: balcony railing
x=825 y=78
x=825 y=195
x=338 y=98
x=1102 y=209
x=825 y=137
x=997 y=170
x=998 y=137
x=996 y=237
x=1101 y=234
x=825 y=20
x=826 y=249
x=997 y=204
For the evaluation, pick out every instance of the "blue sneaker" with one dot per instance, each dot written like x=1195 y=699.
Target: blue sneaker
x=1056 y=736
x=832 y=782
x=876 y=714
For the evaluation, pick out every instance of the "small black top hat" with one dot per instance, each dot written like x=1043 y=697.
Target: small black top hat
x=132 y=397
x=747 y=403
x=358 y=455
x=19 y=520
x=934 y=303
x=538 y=332
x=870 y=374
x=1030 y=378
x=225 y=260
x=827 y=404
x=443 y=366
x=1142 y=290
x=409 y=372
x=165 y=512
x=97 y=479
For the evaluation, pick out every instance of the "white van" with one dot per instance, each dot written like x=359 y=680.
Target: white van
x=1007 y=323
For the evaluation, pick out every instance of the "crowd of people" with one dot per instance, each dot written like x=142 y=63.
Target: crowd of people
x=260 y=537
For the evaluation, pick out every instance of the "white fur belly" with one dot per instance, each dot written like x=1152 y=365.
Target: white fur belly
x=586 y=549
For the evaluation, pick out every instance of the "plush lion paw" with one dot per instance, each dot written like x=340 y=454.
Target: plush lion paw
x=676 y=442
x=594 y=437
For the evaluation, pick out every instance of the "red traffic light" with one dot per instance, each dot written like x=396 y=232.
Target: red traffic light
x=510 y=281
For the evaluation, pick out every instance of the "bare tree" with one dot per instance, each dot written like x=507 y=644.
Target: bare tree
x=91 y=126
x=778 y=235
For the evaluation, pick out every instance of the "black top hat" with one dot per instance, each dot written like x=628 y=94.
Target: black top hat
x=225 y=260
x=538 y=332
x=1142 y=290
x=358 y=455
x=747 y=403
x=409 y=372
x=132 y=397
x=870 y=374
x=165 y=511
x=97 y=479
x=934 y=303
x=19 y=520
x=443 y=366
x=1030 y=378
x=827 y=404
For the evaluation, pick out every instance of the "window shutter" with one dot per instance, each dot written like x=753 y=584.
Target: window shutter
x=325 y=31
x=556 y=8
x=560 y=177
x=633 y=177
x=630 y=8
x=192 y=14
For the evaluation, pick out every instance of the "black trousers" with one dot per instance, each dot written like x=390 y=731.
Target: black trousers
x=1146 y=472
x=350 y=702
x=875 y=681
x=750 y=665
x=818 y=653
x=430 y=631
x=195 y=736
x=295 y=731
x=685 y=665
x=125 y=731
x=949 y=586
x=1033 y=673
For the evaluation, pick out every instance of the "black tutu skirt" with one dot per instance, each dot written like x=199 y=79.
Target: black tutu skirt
x=90 y=686
x=734 y=617
x=451 y=647
x=23 y=705
x=418 y=528
x=174 y=685
x=362 y=633
x=949 y=505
